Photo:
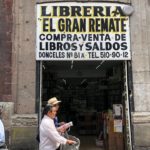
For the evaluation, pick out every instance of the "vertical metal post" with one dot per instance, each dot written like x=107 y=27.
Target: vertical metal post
x=41 y=78
x=127 y=110
x=38 y=89
x=131 y=98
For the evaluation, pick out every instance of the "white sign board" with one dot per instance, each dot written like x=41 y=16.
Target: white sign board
x=118 y=126
x=82 y=31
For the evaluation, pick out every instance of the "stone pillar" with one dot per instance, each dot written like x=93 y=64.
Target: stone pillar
x=23 y=56
x=140 y=47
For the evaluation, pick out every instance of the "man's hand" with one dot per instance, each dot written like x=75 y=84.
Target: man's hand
x=62 y=130
x=61 y=123
x=71 y=142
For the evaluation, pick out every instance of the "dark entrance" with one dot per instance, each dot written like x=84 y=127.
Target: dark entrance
x=89 y=91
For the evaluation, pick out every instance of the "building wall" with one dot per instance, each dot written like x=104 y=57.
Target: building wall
x=140 y=47
x=5 y=64
x=18 y=70
x=24 y=121
x=23 y=58
x=5 y=50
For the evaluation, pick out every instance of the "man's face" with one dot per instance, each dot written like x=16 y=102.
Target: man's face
x=52 y=113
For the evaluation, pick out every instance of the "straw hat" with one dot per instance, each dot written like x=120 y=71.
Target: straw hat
x=53 y=101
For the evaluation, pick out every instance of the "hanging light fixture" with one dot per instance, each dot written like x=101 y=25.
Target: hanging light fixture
x=128 y=10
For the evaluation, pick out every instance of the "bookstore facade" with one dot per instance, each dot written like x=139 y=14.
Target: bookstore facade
x=92 y=56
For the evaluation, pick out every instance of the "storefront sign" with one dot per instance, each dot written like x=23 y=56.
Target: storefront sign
x=82 y=31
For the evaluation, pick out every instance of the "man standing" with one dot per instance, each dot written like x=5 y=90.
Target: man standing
x=50 y=139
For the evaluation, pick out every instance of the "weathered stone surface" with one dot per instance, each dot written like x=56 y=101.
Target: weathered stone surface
x=7 y=109
x=23 y=56
x=142 y=148
x=141 y=117
x=141 y=134
x=24 y=138
x=140 y=39
x=141 y=121
x=141 y=77
x=141 y=97
x=24 y=131
x=24 y=120
x=140 y=62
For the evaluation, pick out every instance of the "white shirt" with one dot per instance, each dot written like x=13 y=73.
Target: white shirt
x=2 y=132
x=50 y=139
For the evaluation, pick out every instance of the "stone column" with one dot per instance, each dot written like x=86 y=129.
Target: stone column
x=140 y=47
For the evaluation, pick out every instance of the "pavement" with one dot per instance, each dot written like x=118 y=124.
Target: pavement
x=88 y=143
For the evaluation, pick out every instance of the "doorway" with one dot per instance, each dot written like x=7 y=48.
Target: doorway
x=91 y=92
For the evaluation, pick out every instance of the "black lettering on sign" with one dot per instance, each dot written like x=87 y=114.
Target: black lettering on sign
x=48 y=25
x=87 y=11
x=68 y=25
x=43 y=11
x=84 y=11
x=61 y=25
x=74 y=47
x=45 y=24
x=42 y=37
x=41 y=46
x=104 y=24
x=69 y=54
x=98 y=11
x=76 y=11
x=111 y=25
x=118 y=11
x=116 y=46
x=64 y=11
x=124 y=46
x=72 y=25
x=123 y=25
x=120 y=37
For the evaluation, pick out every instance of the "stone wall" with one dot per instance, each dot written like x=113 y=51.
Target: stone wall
x=24 y=131
x=141 y=122
x=140 y=47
